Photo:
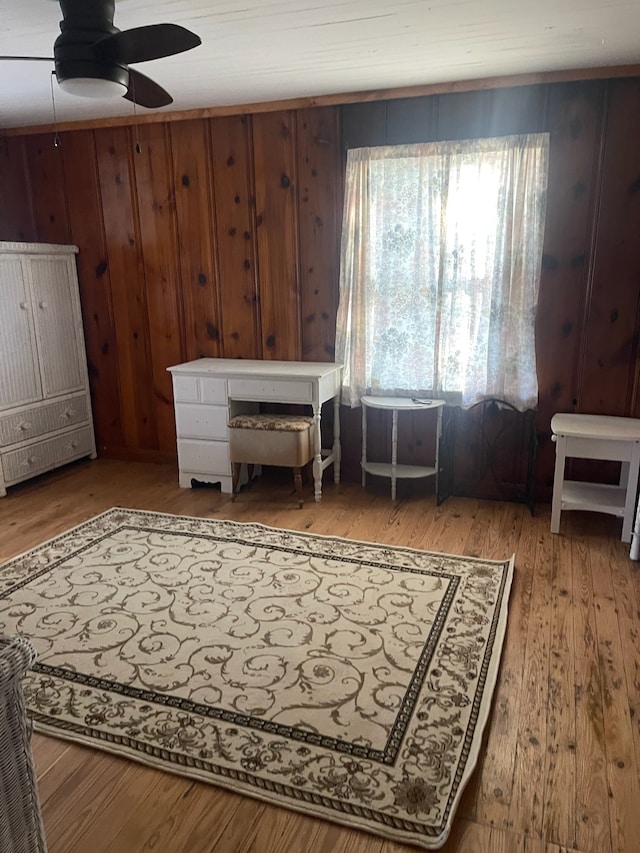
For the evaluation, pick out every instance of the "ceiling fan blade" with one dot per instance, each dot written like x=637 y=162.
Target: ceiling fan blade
x=143 y=43
x=29 y=58
x=144 y=92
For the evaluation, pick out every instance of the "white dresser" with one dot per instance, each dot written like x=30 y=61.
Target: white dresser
x=45 y=407
x=208 y=392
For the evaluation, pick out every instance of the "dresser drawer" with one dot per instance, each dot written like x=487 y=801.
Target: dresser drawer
x=31 y=423
x=195 y=420
x=204 y=457
x=43 y=455
x=271 y=390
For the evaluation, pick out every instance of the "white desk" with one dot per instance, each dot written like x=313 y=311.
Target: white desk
x=392 y=469
x=208 y=392
x=596 y=437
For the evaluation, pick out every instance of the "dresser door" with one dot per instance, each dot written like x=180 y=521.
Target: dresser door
x=19 y=376
x=58 y=323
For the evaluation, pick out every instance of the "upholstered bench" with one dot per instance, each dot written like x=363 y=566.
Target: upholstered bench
x=281 y=440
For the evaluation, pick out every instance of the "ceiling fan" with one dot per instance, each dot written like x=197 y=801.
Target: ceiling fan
x=92 y=57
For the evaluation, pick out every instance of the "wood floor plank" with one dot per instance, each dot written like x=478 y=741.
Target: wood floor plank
x=181 y=815
x=622 y=771
x=48 y=751
x=495 y=784
x=528 y=794
x=628 y=612
x=592 y=800
x=559 y=824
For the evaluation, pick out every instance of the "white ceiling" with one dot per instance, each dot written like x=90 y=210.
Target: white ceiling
x=260 y=50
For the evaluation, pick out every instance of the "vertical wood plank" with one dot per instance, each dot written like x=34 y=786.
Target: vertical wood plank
x=114 y=152
x=194 y=213
x=319 y=191
x=517 y=109
x=87 y=232
x=364 y=124
x=412 y=120
x=574 y=123
x=235 y=236
x=464 y=115
x=16 y=210
x=611 y=345
x=274 y=146
x=46 y=177
x=156 y=216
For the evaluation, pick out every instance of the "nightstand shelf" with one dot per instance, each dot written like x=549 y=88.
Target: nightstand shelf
x=391 y=469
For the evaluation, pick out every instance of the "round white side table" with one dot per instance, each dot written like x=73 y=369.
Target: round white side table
x=392 y=469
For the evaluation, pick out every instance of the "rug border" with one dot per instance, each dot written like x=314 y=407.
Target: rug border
x=303 y=533
x=302 y=807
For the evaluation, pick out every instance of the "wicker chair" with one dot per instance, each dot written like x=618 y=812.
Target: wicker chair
x=21 y=829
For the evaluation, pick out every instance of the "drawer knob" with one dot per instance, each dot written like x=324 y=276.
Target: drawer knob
x=24 y=426
x=42 y=304
x=68 y=413
x=73 y=445
x=30 y=460
x=23 y=305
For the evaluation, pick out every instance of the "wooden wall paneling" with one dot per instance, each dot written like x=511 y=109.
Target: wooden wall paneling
x=46 y=177
x=575 y=124
x=16 y=209
x=464 y=115
x=231 y=160
x=87 y=232
x=274 y=154
x=611 y=341
x=114 y=149
x=319 y=193
x=412 y=120
x=194 y=214
x=154 y=185
x=363 y=125
x=520 y=109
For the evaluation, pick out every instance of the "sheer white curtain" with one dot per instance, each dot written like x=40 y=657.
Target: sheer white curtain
x=440 y=266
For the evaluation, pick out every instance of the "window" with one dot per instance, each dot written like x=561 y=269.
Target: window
x=440 y=266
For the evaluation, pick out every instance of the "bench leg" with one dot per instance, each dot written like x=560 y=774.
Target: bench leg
x=297 y=479
x=235 y=479
x=558 y=482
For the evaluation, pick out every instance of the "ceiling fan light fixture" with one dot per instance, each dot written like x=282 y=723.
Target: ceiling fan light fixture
x=93 y=87
x=91 y=79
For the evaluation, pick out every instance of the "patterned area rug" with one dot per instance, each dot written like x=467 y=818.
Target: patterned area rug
x=344 y=679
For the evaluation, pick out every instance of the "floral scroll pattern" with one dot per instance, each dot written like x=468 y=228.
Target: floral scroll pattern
x=351 y=680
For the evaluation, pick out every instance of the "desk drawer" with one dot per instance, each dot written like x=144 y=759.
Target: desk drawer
x=199 y=389
x=204 y=457
x=271 y=390
x=194 y=420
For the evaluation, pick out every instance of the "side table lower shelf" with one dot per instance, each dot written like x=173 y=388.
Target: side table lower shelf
x=406 y=472
x=595 y=497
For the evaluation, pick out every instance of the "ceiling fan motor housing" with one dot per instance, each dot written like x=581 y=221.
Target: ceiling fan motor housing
x=84 y=25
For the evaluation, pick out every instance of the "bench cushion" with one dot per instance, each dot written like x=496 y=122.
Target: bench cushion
x=280 y=423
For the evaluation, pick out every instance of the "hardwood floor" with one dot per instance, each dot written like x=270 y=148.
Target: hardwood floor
x=559 y=773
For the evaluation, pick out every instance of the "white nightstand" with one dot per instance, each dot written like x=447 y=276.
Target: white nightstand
x=392 y=469
x=596 y=437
